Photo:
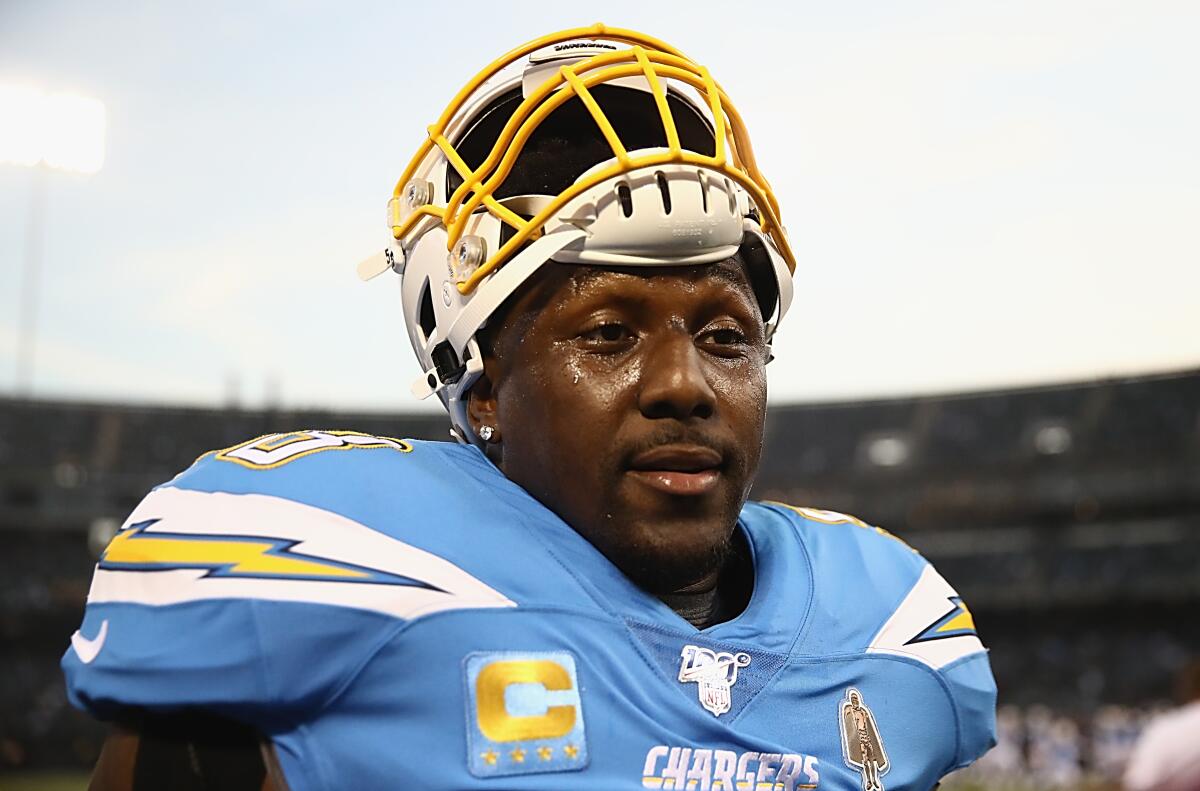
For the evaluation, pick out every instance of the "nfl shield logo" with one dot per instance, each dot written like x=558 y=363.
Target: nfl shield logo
x=714 y=673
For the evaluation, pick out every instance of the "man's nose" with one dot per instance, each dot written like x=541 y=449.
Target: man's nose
x=674 y=382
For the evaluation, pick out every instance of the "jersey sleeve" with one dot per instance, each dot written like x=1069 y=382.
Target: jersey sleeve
x=903 y=608
x=933 y=625
x=225 y=590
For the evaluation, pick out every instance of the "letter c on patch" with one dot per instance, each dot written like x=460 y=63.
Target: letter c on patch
x=494 y=719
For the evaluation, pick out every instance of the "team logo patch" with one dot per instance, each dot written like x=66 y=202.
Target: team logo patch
x=524 y=714
x=862 y=746
x=714 y=673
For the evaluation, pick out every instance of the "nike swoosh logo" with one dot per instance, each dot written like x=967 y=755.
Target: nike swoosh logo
x=87 y=650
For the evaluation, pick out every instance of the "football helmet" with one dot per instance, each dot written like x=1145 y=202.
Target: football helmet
x=661 y=174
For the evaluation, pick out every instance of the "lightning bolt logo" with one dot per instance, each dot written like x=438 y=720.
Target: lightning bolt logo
x=955 y=623
x=261 y=557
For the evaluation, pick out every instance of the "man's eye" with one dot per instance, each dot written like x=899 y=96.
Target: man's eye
x=610 y=332
x=725 y=336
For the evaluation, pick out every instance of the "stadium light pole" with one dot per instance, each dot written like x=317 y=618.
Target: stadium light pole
x=56 y=131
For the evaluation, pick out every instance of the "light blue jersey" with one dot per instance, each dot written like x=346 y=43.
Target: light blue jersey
x=401 y=615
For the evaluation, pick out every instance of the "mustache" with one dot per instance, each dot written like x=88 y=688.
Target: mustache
x=680 y=435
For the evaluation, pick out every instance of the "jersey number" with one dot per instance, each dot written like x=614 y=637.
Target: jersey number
x=274 y=450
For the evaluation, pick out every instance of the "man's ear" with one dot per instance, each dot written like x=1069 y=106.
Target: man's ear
x=482 y=404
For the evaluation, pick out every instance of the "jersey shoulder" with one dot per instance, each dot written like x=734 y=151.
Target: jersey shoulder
x=877 y=596
x=332 y=517
x=262 y=577
x=860 y=573
x=326 y=468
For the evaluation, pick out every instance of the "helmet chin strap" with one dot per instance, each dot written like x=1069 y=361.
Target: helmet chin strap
x=433 y=381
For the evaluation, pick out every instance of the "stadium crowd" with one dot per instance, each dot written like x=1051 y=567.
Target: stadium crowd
x=1068 y=517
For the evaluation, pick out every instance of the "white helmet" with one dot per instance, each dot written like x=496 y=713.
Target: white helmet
x=676 y=184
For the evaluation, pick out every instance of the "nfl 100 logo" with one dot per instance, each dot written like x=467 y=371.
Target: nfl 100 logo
x=714 y=672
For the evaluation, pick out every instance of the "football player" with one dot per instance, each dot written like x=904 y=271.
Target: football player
x=576 y=593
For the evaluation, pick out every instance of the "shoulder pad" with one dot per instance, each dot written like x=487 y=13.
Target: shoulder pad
x=279 y=519
x=826 y=517
x=877 y=595
x=861 y=574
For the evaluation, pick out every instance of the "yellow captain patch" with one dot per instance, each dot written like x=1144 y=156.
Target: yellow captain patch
x=524 y=713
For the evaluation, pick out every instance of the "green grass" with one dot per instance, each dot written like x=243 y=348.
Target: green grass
x=44 y=781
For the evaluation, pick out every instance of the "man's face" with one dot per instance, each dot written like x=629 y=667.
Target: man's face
x=631 y=402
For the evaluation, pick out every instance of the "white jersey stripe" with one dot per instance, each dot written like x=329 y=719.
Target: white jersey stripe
x=320 y=535
x=930 y=600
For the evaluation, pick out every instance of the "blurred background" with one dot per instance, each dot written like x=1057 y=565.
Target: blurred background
x=995 y=349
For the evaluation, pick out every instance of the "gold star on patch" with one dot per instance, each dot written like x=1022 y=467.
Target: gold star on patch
x=571 y=750
x=518 y=755
x=545 y=753
x=490 y=756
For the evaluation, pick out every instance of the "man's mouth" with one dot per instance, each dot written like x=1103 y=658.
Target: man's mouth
x=687 y=470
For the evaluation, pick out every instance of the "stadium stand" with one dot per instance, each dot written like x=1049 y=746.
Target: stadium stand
x=1067 y=516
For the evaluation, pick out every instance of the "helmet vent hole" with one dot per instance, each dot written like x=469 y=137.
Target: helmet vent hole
x=664 y=190
x=732 y=198
x=703 y=189
x=626 y=199
x=425 y=316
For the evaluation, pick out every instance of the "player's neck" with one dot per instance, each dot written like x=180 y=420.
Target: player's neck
x=719 y=597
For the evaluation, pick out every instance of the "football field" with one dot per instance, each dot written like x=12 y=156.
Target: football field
x=44 y=781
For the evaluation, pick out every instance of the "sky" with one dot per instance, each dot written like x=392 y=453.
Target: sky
x=980 y=195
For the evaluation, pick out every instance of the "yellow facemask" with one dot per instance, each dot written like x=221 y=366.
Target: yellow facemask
x=645 y=57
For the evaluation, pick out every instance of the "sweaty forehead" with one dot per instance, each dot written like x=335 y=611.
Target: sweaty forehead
x=729 y=272
x=558 y=285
